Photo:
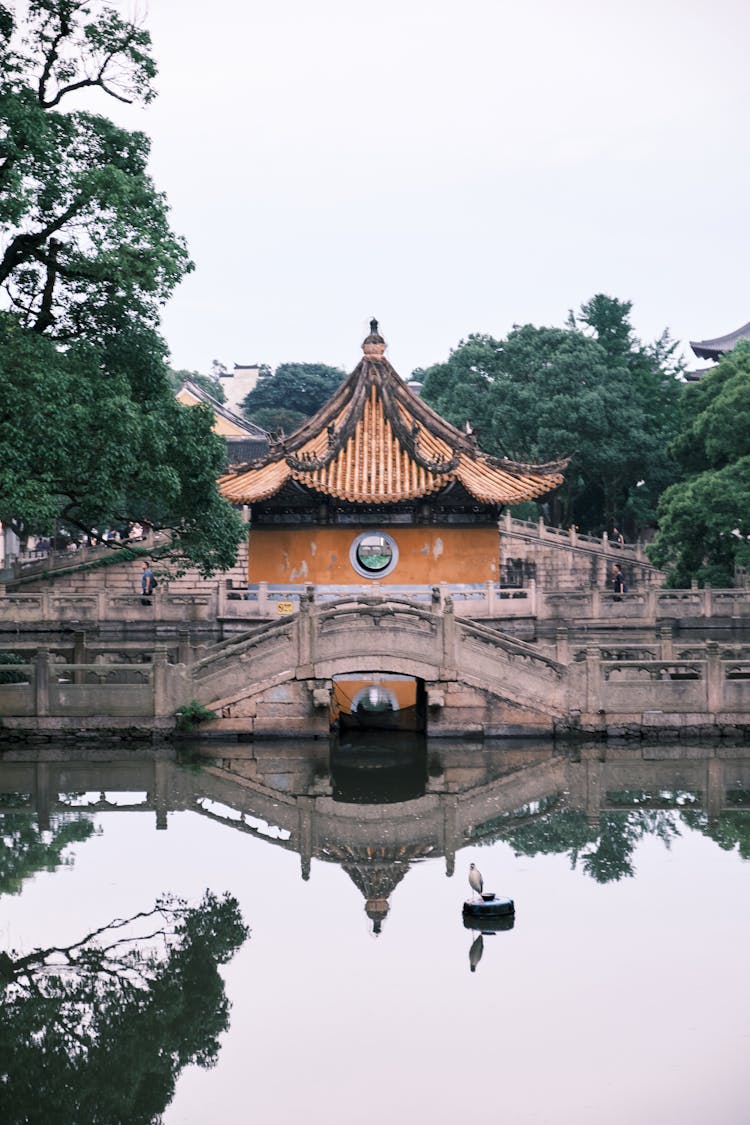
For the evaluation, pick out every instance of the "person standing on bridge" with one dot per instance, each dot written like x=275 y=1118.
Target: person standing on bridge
x=147 y=579
x=618 y=582
x=617 y=537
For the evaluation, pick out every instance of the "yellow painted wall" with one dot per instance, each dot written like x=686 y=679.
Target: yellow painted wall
x=321 y=555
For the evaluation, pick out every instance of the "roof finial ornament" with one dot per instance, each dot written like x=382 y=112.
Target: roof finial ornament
x=374 y=345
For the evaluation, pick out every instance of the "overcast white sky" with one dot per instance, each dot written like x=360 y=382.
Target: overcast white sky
x=447 y=168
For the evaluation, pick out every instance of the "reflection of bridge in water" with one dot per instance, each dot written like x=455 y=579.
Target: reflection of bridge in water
x=301 y=796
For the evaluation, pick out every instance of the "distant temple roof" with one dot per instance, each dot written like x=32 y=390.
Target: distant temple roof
x=714 y=349
x=376 y=442
x=244 y=439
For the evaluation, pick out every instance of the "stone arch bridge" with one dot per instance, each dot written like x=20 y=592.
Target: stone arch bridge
x=478 y=680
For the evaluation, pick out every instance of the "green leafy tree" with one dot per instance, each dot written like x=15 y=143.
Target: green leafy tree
x=99 y=1030
x=294 y=392
x=704 y=518
x=594 y=394
x=89 y=430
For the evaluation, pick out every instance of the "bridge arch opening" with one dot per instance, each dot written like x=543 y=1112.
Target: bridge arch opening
x=378 y=701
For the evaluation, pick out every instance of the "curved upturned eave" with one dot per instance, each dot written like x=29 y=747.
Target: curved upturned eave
x=712 y=349
x=495 y=486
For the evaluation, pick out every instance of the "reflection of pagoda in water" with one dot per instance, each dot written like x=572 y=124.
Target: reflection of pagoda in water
x=376 y=872
x=472 y=795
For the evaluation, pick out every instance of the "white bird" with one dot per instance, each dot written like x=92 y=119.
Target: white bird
x=476 y=882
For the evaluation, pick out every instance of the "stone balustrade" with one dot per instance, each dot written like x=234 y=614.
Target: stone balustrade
x=571 y=537
x=263 y=601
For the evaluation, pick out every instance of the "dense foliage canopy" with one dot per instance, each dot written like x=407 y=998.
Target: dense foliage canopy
x=89 y=430
x=590 y=390
x=704 y=518
x=294 y=392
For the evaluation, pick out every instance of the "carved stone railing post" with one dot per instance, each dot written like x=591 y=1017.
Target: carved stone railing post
x=666 y=643
x=159 y=681
x=714 y=679
x=262 y=599
x=184 y=648
x=533 y=598
x=79 y=656
x=540 y=527
x=561 y=644
x=41 y=682
x=448 y=670
x=306 y=625
x=708 y=600
x=593 y=679
x=601 y=572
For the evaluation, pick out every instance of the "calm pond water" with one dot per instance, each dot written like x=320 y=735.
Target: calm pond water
x=356 y=995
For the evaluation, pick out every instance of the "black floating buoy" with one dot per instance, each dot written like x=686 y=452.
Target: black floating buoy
x=488 y=926
x=490 y=907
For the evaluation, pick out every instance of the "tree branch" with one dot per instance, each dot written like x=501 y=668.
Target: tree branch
x=83 y=83
x=24 y=245
x=45 y=318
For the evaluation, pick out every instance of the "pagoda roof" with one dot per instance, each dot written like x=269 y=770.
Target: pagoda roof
x=376 y=442
x=191 y=392
x=713 y=349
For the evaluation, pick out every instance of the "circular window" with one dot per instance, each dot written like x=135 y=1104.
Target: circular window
x=373 y=554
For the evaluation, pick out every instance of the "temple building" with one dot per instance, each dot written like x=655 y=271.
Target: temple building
x=377 y=487
x=245 y=441
x=239 y=382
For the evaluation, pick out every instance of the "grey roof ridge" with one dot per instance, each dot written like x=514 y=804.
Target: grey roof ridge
x=223 y=411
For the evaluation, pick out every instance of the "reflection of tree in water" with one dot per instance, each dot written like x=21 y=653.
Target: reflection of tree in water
x=26 y=849
x=729 y=830
x=619 y=833
x=98 y=1031
x=604 y=850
